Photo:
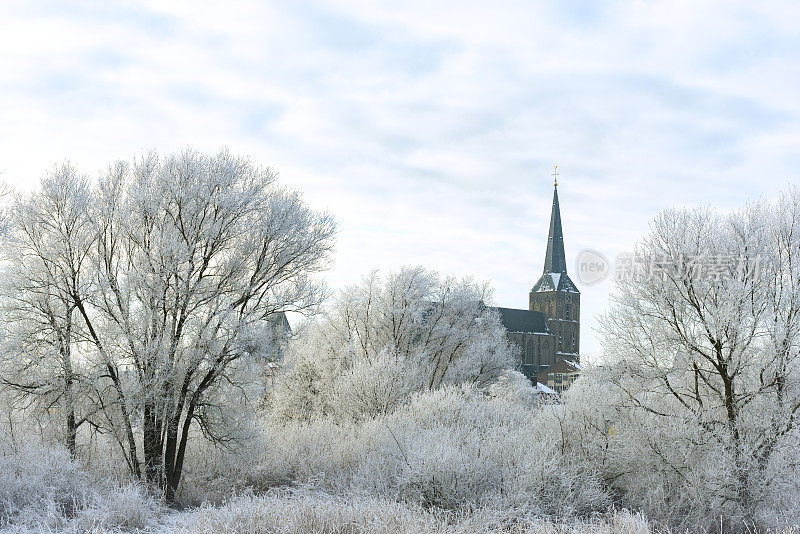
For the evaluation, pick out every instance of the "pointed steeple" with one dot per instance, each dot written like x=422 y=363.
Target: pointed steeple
x=554 y=295
x=555 y=260
x=554 y=276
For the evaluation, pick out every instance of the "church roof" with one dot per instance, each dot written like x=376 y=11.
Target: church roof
x=554 y=277
x=555 y=261
x=555 y=282
x=523 y=321
x=281 y=323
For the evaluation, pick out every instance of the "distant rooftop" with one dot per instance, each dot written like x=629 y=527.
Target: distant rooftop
x=523 y=321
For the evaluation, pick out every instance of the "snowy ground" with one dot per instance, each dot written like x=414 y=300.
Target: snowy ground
x=314 y=512
x=298 y=511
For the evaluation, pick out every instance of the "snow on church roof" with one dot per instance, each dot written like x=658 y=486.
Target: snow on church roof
x=555 y=282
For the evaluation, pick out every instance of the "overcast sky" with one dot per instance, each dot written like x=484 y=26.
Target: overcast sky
x=428 y=128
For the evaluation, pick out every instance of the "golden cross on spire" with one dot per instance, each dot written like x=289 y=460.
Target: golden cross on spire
x=555 y=175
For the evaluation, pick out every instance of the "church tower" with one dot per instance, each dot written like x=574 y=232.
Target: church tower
x=554 y=295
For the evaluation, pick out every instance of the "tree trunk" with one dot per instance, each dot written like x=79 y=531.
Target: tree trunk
x=72 y=432
x=69 y=383
x=132 y=449
x=152 y=445
x=174 y=478
x=171 y=465
x=740 y=464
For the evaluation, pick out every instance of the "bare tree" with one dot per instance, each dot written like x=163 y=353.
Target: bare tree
x=384 y=339
x=45 y=256
x=164 y=277
x=707 y=334
x=193 y=253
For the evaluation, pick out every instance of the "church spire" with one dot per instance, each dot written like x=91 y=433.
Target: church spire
x=555 y=260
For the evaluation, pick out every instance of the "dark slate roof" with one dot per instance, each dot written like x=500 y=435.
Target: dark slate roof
x=525 y=321
x=561 y=366
x=554 y=277
x=555 y=260
x=280 y=322
x=555 y=282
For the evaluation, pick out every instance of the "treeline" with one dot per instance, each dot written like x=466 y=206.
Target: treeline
x=141 y=309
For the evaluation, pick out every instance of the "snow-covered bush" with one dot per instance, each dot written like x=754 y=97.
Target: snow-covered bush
x=310 y=511
x=129 y=508
x=374 y=385
x=39 y=481
x=515 y=388
x=44 y=488
x=450 y=448
x=670 y=469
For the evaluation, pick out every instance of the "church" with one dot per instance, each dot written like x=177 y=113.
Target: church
x=548 y=332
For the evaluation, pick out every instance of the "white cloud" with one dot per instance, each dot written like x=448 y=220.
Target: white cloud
x=428 y=128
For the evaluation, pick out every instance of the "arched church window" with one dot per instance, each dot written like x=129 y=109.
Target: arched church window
x=546 y=354
x=530 y=352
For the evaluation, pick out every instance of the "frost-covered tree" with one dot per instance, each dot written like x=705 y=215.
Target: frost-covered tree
x=194 y=254
x=165 y=276
x=45 y=256
x=703 y=342
x=386 y=338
